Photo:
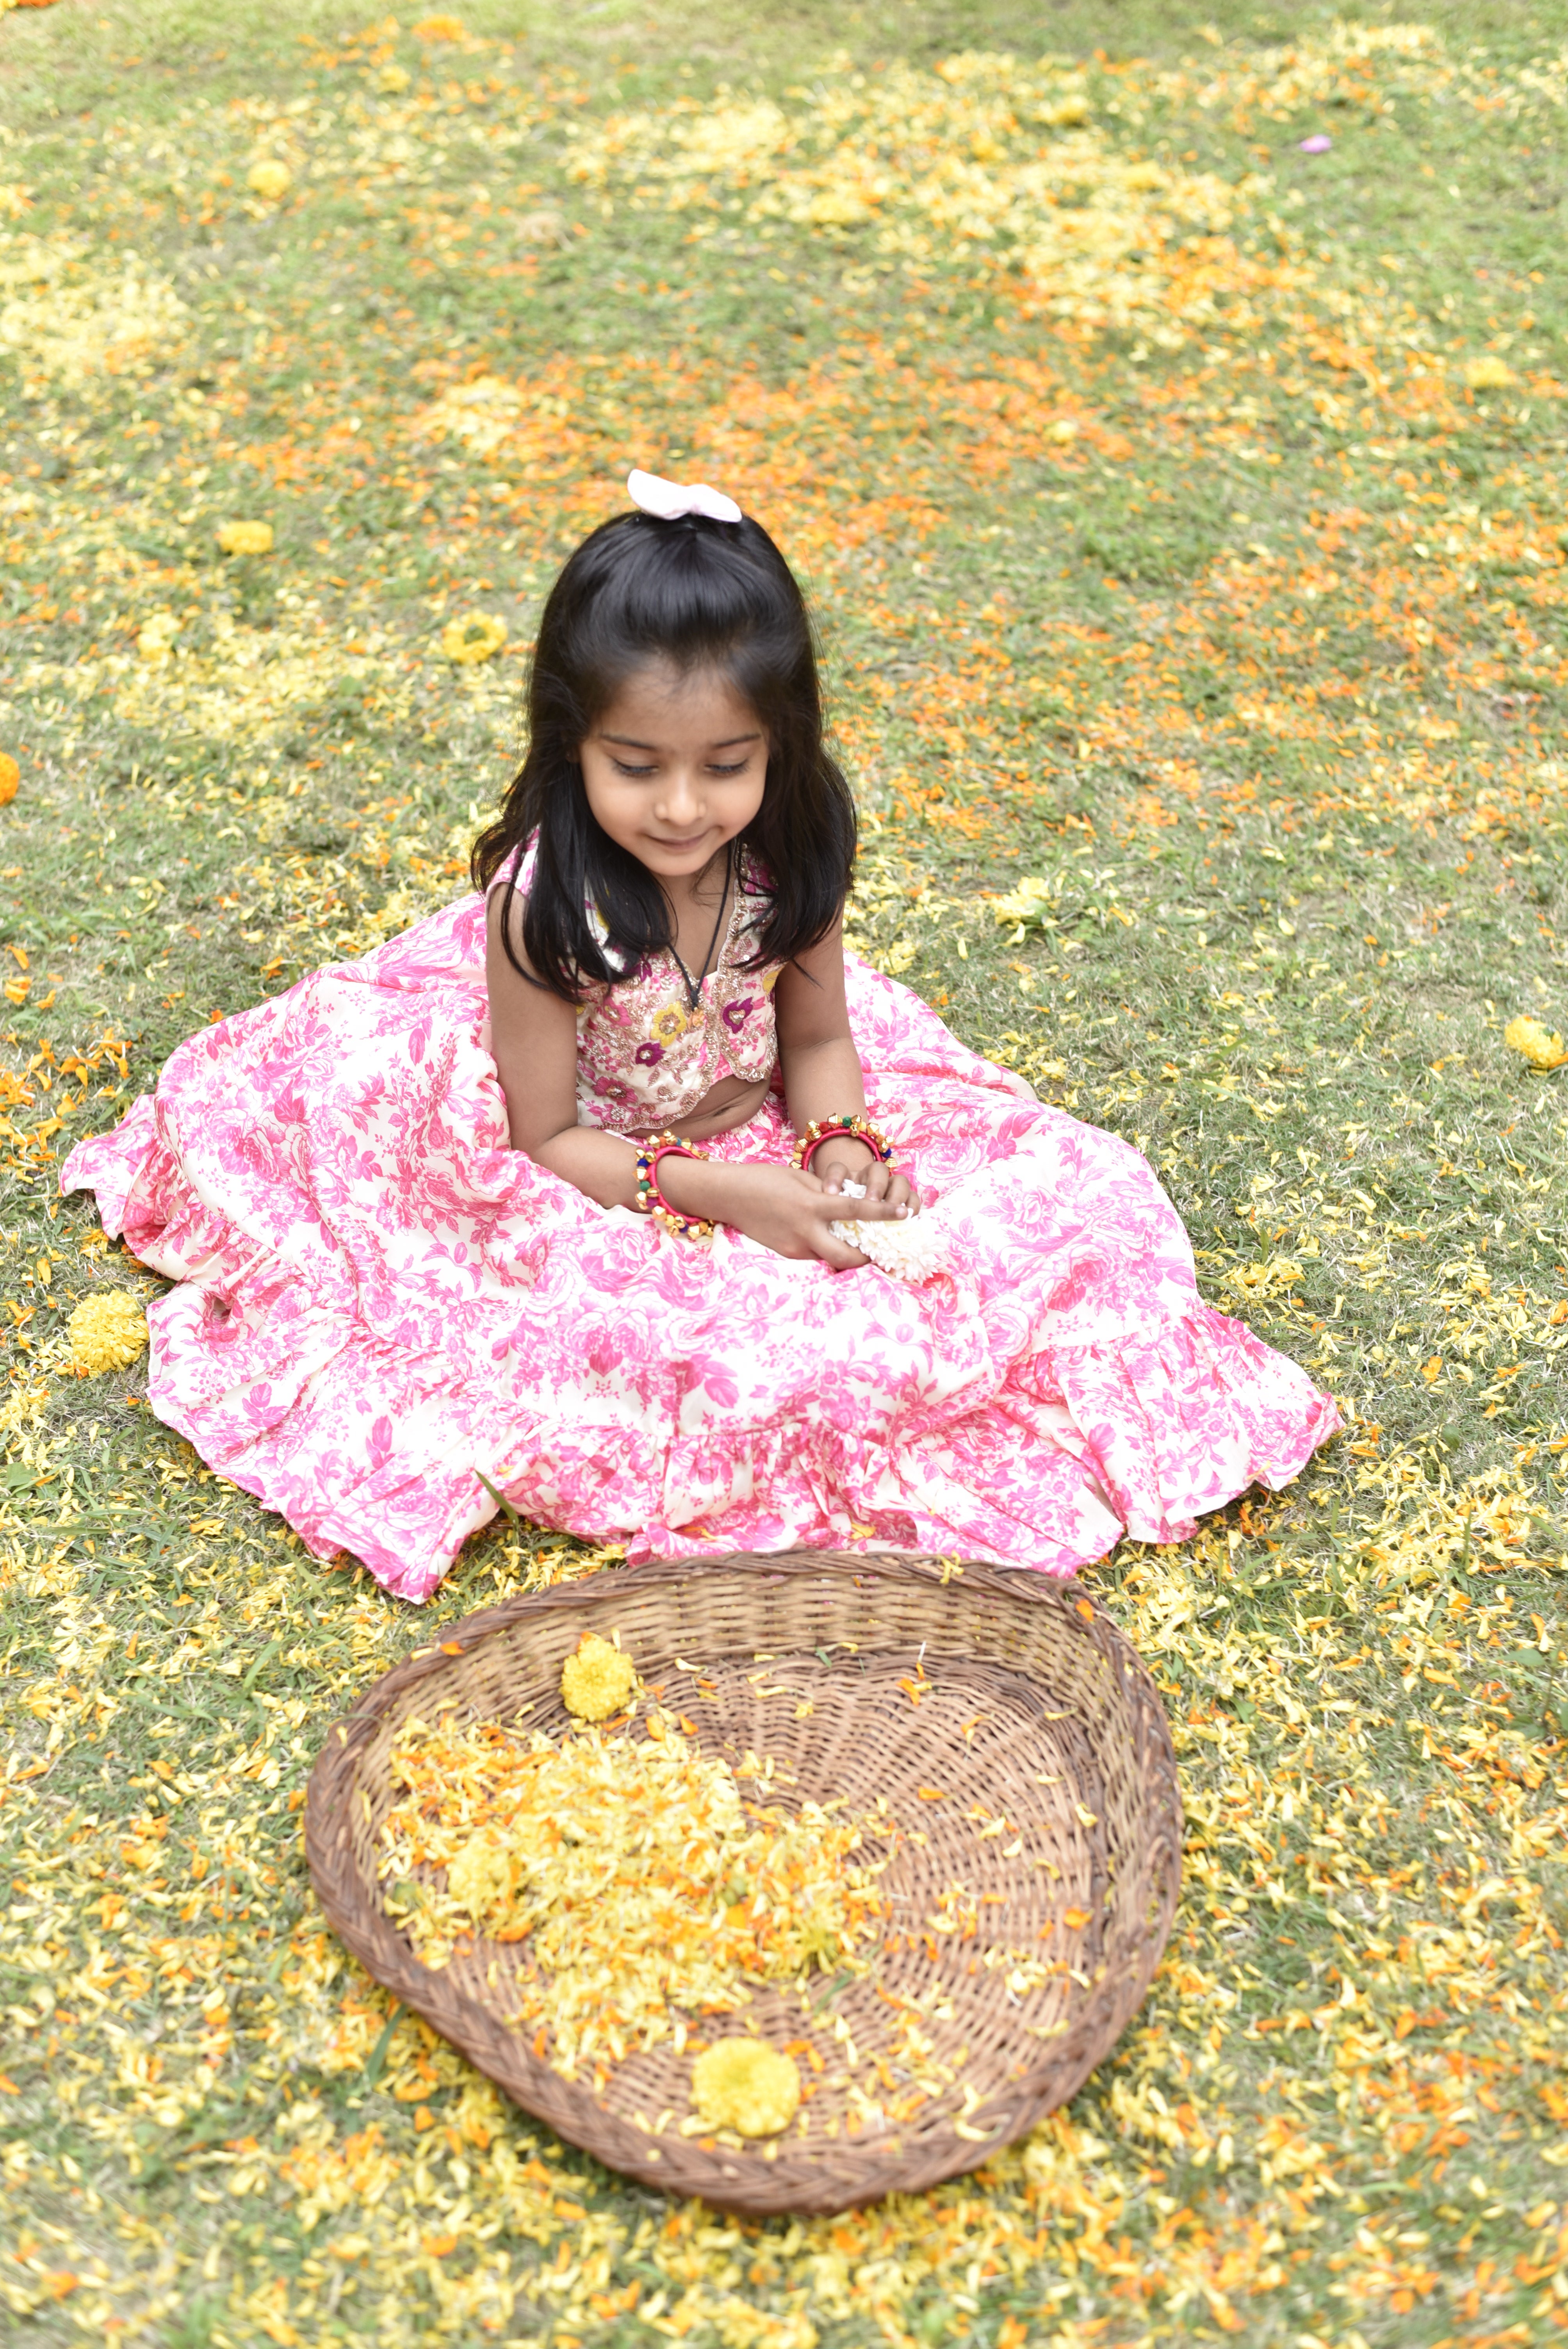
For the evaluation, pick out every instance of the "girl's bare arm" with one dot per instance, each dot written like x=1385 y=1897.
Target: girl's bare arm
x=534 y=1039
x=822 y=1076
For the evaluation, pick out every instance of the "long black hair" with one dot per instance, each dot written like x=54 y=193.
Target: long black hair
x=701 y=595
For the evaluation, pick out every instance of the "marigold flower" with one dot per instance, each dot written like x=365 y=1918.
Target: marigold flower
x=155 y=639
x=474 y=637
x=270 y=180
x=746 y=2085
x=439 y=29
x=1488 y=374
x=1541 y=1047
x=245 y=537
x=597 y=1680
x=10 y=776
x=107 y=1331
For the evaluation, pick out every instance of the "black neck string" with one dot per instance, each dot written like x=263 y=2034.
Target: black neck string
x=693 y=986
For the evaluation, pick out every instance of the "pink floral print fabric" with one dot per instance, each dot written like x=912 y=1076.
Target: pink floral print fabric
x=646 y=1054
x=376 y=1298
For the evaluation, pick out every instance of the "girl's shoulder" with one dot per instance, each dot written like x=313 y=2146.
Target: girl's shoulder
x=520 y=867
x=753 y=875
x=753 y=889
x=516 y=868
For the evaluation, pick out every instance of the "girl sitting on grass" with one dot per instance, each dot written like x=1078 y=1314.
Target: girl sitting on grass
x=549 y=1197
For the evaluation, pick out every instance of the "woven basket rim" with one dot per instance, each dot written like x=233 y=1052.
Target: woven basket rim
x=349 y=1898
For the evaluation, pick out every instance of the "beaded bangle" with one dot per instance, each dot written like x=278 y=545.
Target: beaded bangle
x=651 y=1200
x=853 y=1124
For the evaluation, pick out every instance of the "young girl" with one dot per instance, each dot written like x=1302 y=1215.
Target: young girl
x=540 y=1196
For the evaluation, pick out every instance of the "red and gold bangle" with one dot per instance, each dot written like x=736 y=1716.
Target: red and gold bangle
x=651 y=1200
x=853 y=1126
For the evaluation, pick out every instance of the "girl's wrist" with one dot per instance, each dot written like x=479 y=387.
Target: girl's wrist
x=695 y=1186
x=845 y=1150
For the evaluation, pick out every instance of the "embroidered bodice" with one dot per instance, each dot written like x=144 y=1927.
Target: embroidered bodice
x=646 y=1056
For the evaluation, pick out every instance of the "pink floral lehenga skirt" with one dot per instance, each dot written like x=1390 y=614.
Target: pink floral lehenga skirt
x=376 y=1299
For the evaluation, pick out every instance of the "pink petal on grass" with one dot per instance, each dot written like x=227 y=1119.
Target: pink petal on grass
x=1318 y=144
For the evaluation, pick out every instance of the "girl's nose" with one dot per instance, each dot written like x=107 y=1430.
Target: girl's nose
x=680 y=799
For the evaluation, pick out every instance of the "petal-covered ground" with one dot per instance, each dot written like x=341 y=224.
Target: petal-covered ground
x=1185 y=509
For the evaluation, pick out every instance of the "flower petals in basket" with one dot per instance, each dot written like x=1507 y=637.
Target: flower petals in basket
x=1008 y=1736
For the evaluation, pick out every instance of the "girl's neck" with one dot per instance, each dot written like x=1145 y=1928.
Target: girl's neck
x=696 y=925
x=700 y=891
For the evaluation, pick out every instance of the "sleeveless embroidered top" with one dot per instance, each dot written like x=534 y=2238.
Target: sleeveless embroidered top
x=646 y=1056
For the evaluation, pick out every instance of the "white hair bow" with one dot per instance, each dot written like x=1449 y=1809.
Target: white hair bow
x=671 y=500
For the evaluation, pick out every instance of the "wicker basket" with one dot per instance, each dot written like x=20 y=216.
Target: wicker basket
x=1012 y=1697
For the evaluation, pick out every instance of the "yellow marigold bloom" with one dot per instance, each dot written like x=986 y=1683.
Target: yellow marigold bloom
x=474 y=637
x=155 y=639
x=107 y=1331
x=10 y=776
x=1488 y=374
x=245 y=537
x=597 y=1680
x=270 y=180
x=438 y=29
x=746 y=2085
x=1539 y=1046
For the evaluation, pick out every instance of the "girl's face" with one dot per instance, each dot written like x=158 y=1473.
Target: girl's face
x=674 y=767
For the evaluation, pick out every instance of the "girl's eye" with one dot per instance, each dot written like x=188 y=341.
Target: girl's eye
x=637 y=774
x=737 y=769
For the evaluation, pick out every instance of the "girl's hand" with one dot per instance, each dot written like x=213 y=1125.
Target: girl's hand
x=845 y=1159
x=789 y=1212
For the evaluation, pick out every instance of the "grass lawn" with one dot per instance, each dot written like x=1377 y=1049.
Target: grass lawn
x=1186 y=517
